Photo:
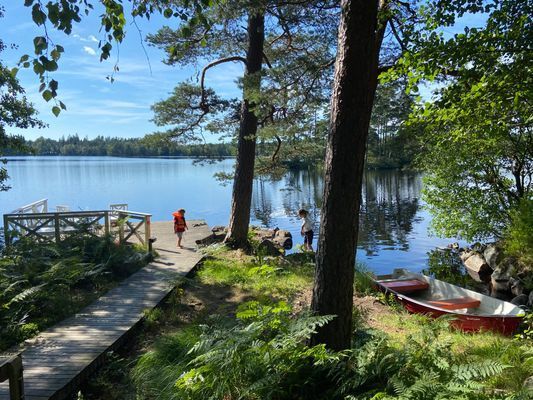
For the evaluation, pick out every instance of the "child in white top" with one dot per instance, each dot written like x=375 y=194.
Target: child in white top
x=307 y=229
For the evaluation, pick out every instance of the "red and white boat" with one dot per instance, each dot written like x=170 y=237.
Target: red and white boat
x=472 y=311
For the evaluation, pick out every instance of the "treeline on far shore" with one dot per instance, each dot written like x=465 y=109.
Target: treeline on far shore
x=394 y=153
x=73 y=145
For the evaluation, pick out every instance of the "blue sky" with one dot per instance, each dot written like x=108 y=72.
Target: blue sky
x=94 y=105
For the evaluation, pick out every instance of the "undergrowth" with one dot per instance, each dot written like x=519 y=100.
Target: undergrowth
x=260 y=350
x=41 y=284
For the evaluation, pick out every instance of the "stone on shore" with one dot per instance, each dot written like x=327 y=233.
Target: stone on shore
x=476 y=266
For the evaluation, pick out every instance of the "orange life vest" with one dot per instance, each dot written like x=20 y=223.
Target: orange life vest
x=179 y=224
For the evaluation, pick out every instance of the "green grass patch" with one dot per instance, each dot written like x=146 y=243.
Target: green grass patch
x=270 y=278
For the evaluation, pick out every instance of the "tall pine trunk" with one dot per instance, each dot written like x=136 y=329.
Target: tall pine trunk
x=351 y=106
x=244 y=169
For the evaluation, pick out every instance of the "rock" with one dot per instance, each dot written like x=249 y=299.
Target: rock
x=477 y=268
x=516 y=285
x=268 y=248
x=520 y=300
x=283 y=238
x=493 y=255
x=218 y=229
x=530 y=301
x=500 y=286
x=465 y=255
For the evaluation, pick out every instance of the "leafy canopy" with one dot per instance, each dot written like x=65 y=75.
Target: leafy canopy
x=477 y=134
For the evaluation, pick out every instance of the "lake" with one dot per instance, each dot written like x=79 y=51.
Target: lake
x=393 y=229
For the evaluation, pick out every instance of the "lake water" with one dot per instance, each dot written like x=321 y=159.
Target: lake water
x=393 y=230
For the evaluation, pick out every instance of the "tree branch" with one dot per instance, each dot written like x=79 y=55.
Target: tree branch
x=203 y=104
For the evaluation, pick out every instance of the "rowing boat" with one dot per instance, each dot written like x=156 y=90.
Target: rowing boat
x=472 y=311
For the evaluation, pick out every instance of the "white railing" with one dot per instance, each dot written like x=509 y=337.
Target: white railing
x=57 y=226
x=40 y=206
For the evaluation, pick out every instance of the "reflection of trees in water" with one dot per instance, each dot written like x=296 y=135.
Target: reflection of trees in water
x=389 y=206
x=298 y=189
x=262 y=201
x=390 y=202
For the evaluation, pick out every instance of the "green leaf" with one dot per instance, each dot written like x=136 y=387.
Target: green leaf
x=56 y=111
x=47 y=95
x=40 y=44
x=38 y=16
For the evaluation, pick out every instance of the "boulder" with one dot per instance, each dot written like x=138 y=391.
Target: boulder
x=283 y=238
x=530 y=301
x=516 y=285
x=500 y=285
x=478 y=268
x=218 y=235
x=465 y=255
x=219 y=232
x=268 y=248
x=520 y=300
x=493 y=255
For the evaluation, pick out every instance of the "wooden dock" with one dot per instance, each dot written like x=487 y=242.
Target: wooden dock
x=62 y=357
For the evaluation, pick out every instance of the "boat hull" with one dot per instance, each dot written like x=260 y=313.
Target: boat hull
x=505 y=325
x=470 y=311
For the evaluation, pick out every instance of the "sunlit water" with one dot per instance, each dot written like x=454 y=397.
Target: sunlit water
x=393 y=231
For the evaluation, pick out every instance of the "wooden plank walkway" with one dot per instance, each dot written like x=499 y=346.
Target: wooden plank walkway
x=63 y=356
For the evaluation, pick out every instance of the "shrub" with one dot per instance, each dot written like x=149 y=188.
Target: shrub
x=518 y=238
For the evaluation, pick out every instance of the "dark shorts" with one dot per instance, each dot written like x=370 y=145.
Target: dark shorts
x=308 y=237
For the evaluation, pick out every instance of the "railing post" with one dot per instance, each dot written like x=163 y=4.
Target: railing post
x=11 y=370
x=6 y=230
x=106 y=222
x=121 y=223
x=56 y=226
x=16 y=383
x=147 y=230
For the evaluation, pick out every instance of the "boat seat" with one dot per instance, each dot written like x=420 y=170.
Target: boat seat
x=405 y=285
x=456 y=303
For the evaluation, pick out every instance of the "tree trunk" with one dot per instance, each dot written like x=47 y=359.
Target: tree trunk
x=351 y=106
x=244 y=169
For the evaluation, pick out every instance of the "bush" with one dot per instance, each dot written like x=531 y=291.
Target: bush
x=518 y=238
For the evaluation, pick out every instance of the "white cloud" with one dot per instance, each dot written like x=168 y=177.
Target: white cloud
x=90 y=38
x=89 y=50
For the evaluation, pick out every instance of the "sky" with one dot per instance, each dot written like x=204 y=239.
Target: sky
x=95 y=106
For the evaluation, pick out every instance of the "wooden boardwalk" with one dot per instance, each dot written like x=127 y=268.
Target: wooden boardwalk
x=62 y=357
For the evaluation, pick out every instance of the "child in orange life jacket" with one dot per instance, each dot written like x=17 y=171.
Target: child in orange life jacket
x=180 y=225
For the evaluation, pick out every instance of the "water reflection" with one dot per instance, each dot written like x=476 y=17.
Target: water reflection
x=388 y=211
x=393 y=224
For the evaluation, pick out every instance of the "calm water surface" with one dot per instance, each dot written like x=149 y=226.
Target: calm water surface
x=393 y=231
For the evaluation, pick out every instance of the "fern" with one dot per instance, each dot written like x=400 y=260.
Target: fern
x=26 y=294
